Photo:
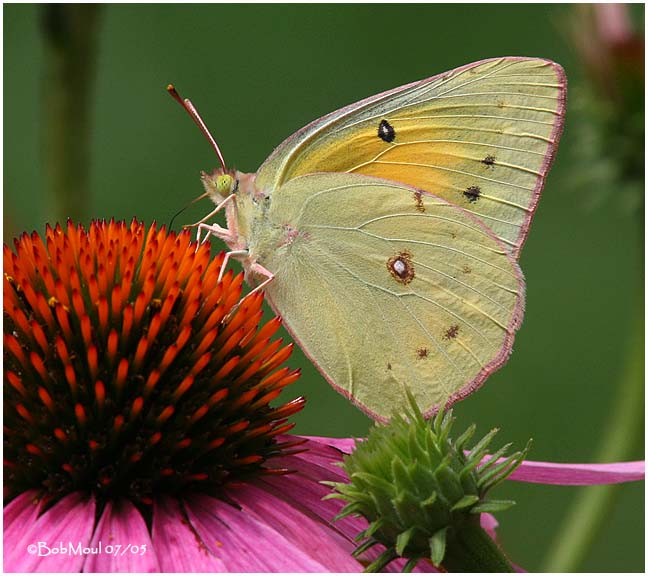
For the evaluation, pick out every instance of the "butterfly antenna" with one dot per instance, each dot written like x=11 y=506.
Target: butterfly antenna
x=190 y=108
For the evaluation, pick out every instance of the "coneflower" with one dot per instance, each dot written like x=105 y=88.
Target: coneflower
x=139 y=430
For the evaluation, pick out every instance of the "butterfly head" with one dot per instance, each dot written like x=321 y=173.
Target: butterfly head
x=219 y=184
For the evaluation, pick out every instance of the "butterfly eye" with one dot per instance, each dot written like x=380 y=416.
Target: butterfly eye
x=225 y=185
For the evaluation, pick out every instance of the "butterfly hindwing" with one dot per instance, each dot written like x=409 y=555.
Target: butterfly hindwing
x=384 y=286
x=482 y=137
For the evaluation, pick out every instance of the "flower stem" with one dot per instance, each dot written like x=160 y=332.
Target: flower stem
x=70 y=39
x=589 y=511
x=472 y=550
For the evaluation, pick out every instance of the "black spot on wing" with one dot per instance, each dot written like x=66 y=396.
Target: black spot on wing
x=451 y=332
x=473 y=193
x=418 y=202
x=386 y=131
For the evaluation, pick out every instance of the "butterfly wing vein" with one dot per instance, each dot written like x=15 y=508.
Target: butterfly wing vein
x=482 y=137
x=383 y=295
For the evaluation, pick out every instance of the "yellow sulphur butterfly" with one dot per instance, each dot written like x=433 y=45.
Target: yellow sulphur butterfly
x=386 y=234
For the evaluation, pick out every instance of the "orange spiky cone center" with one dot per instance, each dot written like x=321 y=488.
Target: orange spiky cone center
x=130 y=371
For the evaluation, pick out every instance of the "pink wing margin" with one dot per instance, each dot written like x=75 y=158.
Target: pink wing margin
x=549 y=156
x=301 y=138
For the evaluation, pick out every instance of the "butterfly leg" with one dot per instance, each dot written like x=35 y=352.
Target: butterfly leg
x=257 y=268
x=214 y=228
x=228 y=255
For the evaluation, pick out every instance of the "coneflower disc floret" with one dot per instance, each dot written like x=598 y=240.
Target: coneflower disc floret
x=130 y=371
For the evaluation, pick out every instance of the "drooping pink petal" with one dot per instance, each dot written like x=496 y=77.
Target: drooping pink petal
x=178 y=547
x=295 y=522
x=578 y=474
x=346 y=445
x=304 y=488
x=247 y=542
x=220 y=539
x=489 y=524
x=66 y=527
x=541 y=472
x=123 y=542
x=18 y=516
x=318 y=463
x=321 y=462
x=309 y=494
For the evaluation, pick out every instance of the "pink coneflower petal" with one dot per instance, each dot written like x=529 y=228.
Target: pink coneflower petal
x=293 y=521
x=489 y=524
x=320 y=462
x=308 y=491
x=292 y=525
x=543 y=472
x=122 y=527
x=345 y=445
x=324 y=451
x=18 y=516
x=579 y=474
x=214 y=535
x=137 y=374
x=261 y=535
x=70 y=521
x=180 y=549
x=299 y=493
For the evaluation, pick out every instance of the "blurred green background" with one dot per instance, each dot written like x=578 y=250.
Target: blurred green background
x=257 y=73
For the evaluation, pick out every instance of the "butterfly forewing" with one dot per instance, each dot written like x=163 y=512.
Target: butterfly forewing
x=481 y=137
x=386 y=287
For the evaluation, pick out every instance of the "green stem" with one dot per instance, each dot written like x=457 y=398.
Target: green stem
x=70 y=39
x=471 y=549
x=590 y=510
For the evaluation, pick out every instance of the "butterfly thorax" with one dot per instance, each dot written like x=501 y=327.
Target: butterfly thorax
x=249 y=208
x=249 y=233
x=265 y=229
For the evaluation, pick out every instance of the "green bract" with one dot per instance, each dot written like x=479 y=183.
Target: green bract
x=421 y=493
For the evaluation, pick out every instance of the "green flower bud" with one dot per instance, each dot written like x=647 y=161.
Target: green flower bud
x=420 y=492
